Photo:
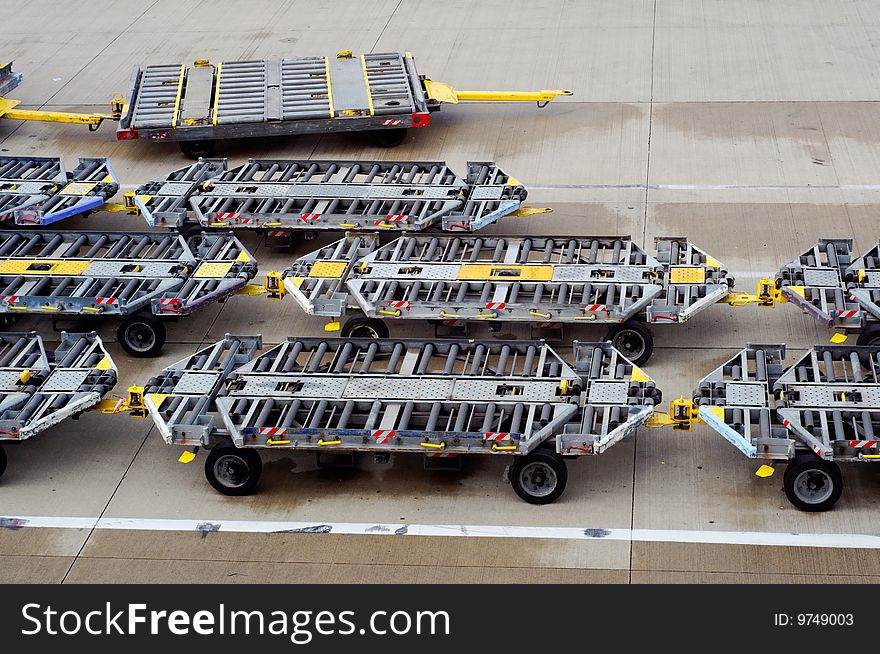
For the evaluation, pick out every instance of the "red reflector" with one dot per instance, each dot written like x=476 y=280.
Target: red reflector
x=126 y=134
x=421 y=120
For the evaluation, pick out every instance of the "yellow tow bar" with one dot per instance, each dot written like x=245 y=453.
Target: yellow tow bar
x=132 y=405
x=446 y=93
x=8 y=110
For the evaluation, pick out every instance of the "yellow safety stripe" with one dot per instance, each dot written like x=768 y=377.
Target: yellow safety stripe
x=329 y=90
x=179 y=95
x=500 y=272
x=367 y=84
x=217 y=93
x=45 y=267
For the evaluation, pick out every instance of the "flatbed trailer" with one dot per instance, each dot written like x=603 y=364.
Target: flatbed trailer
x=443 y=400
x=822 y=410
x=141 y=277
x=40 y=388
x=288 y=197
x=836 y=287
x=39 y=191
x=197 y=104
x=539 y=280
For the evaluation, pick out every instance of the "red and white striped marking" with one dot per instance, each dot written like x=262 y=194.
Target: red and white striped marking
x=392 y=122
x=272 y=431
x=9 y=298
x=276 y=233
x=496 y=436
x=228 y=215
x=393 y=218
x=858 y=445
x=399 y=304
x=309 y=217
x=595 y=308
x=383 y=436
x=106 y=300
x=497 y=306
x=846 y=314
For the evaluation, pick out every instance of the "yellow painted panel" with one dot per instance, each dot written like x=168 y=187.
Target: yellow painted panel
x=213 y=269
x=687 y=275
x=78 y=188
x=499 y=272
x=104 y=364
x=639 y=376
x=717 y=410
x=47 y=267
x=328 y=269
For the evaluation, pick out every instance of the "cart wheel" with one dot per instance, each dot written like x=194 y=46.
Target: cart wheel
x=870 y=335
x=811 y=483
x=141 y=335
x=390 y=138
x=2 y=460
x=633 y=340
x=365 y=328
x=190 y=232
x=539 y=477
x=233 y=471
x=197 y=149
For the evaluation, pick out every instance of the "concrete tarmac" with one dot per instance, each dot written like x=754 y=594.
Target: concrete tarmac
x=751 y=127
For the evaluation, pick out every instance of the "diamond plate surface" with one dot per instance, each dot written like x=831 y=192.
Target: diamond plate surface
x=196 y=383
x=745 y=394
x=821 y=277
x=65 y=381
x=607 y=392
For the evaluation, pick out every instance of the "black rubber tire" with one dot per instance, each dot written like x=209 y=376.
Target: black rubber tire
x=870 y=335
x=390 y=138
x=141 y=335
x=2 y=460
x=189 y=232
x=818 y=471
x=197 y=149
x=531 y=477
x=633 y=339
x=365 y=328
x=242 y=467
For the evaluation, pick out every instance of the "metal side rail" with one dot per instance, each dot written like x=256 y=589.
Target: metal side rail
x=441 y=399
x=39 y=389
x=286 y=196
x=40 y=190
x=538 y=280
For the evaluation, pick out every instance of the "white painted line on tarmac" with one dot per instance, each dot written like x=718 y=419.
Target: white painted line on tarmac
x=205 y=527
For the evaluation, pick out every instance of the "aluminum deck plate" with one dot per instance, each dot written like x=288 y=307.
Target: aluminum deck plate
x=287 y=195
x=88 y=273
x=39 y=389
x=40 y=190
x=602 y=279
x=437 y=398
x=828 y=401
